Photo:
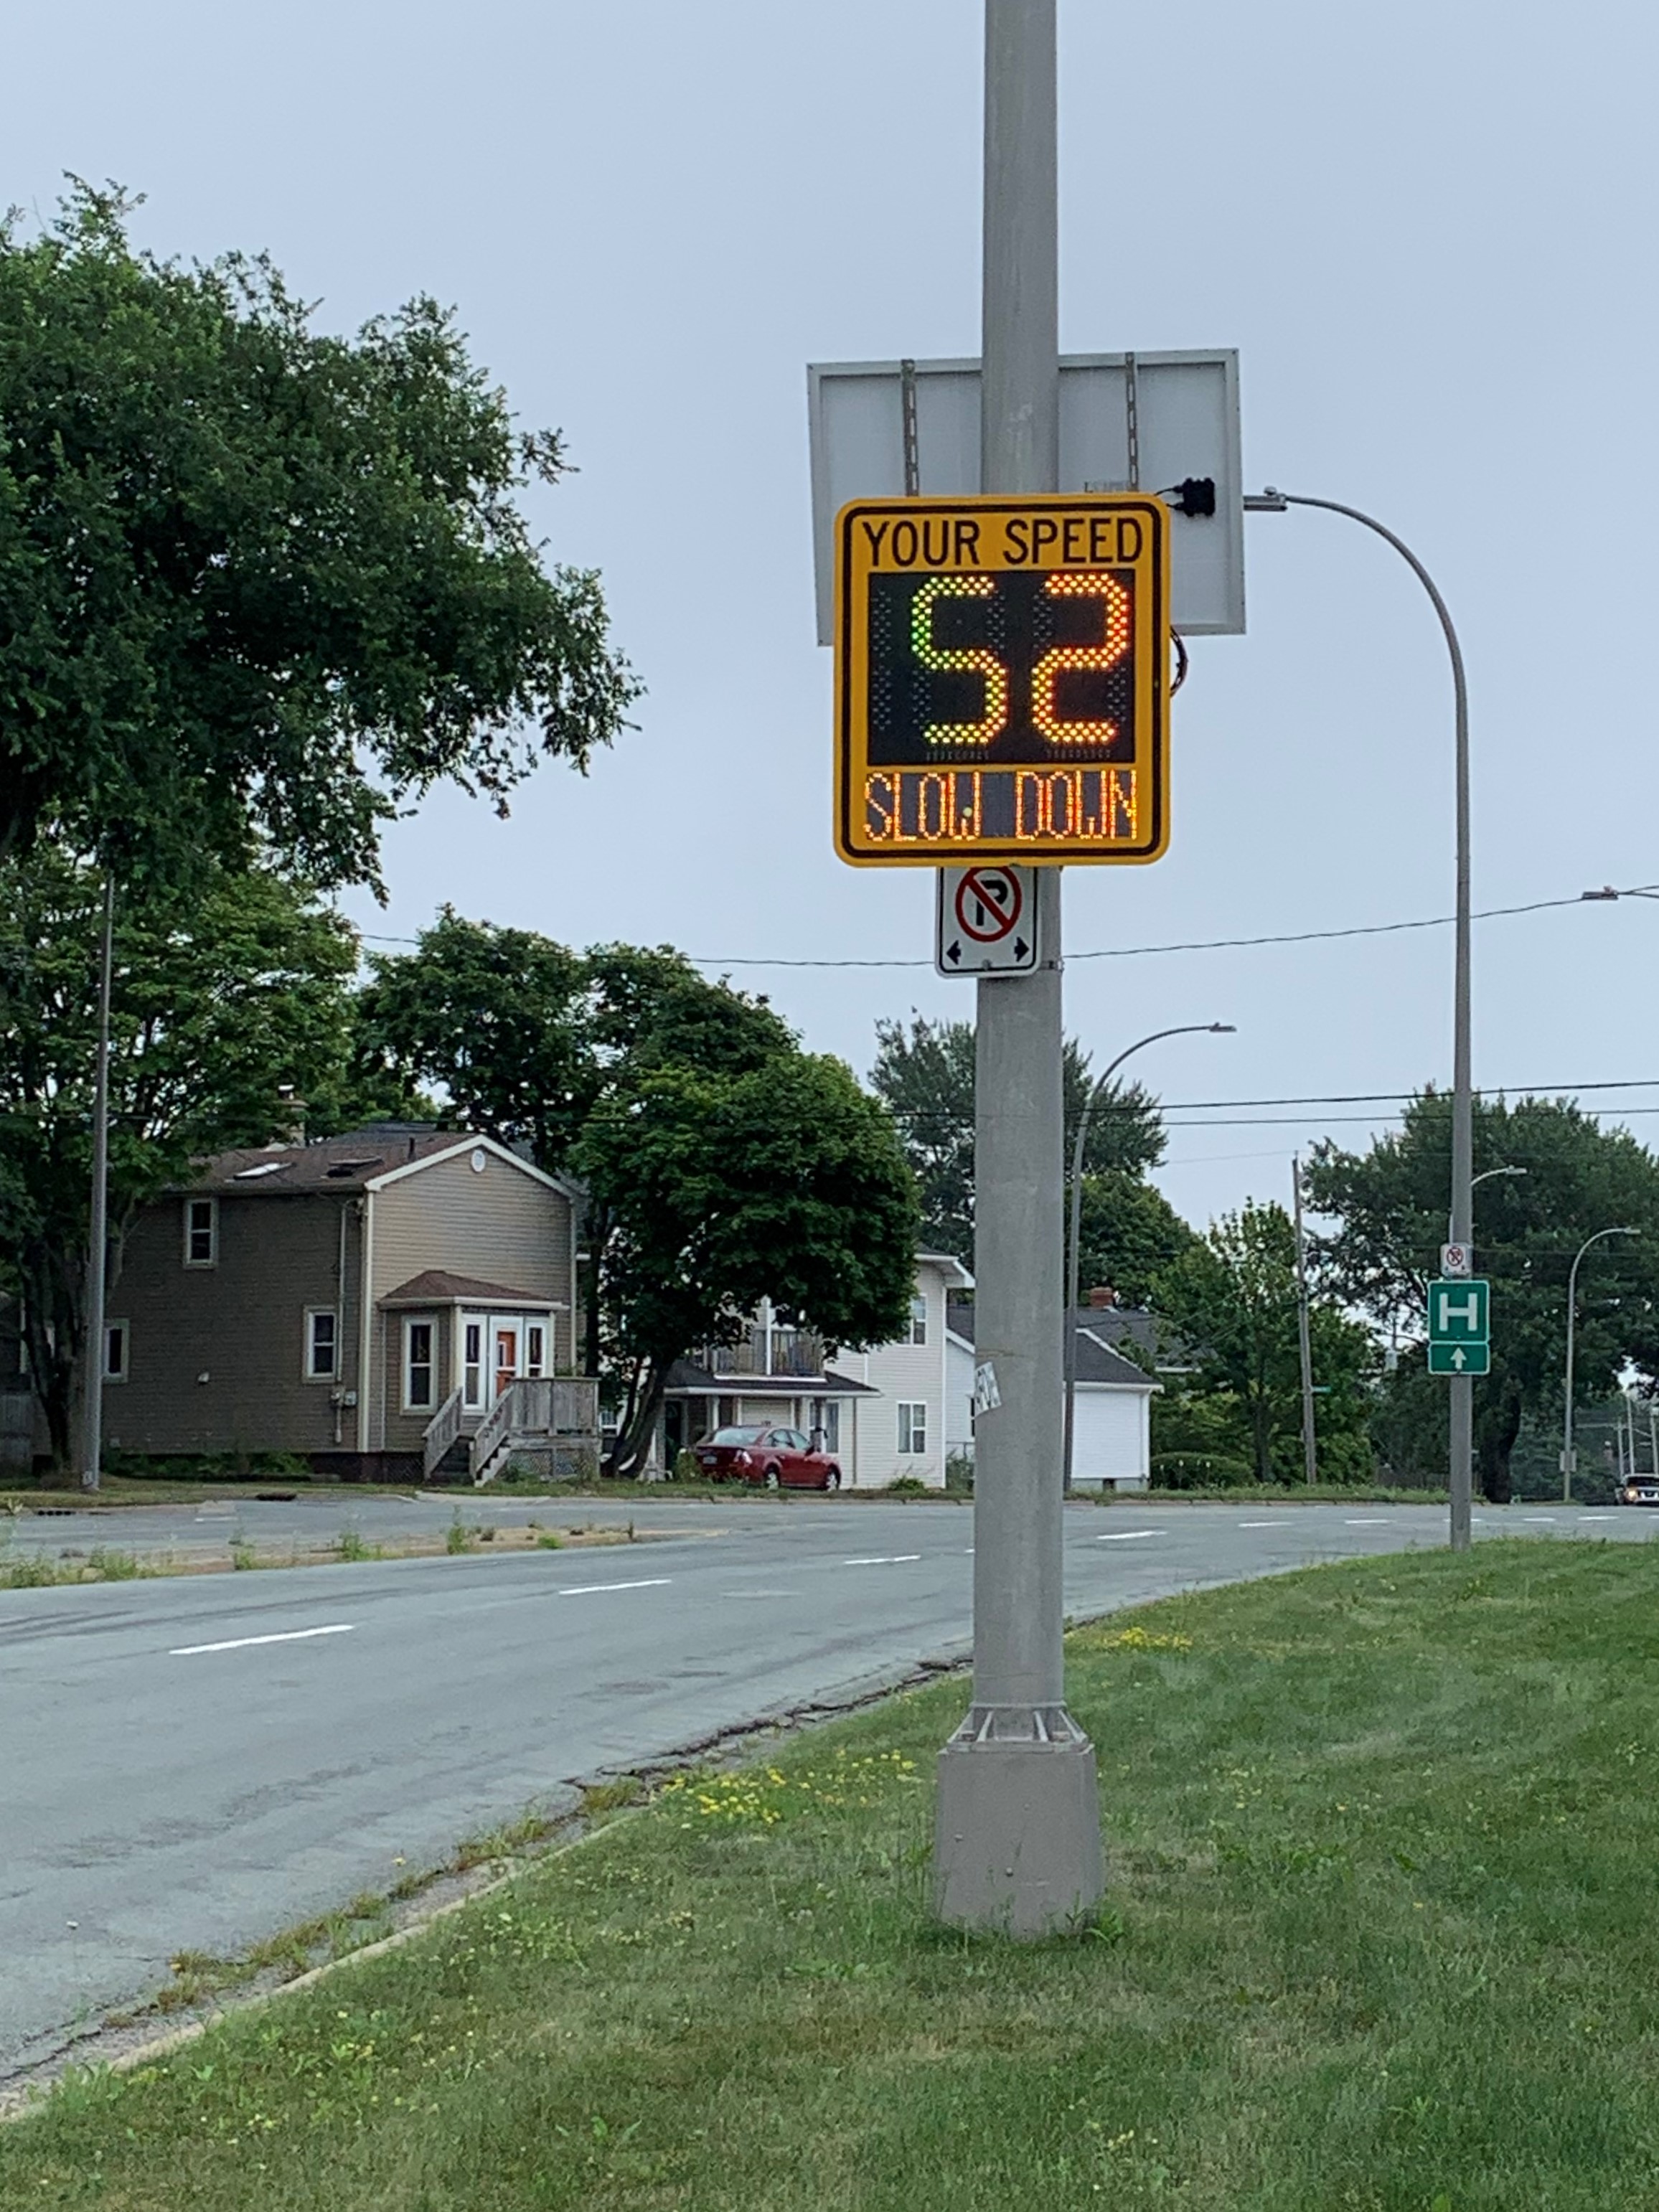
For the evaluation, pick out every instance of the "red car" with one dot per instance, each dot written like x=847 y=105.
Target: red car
x=782 y=1459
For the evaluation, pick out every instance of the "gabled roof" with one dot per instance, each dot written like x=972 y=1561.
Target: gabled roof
x=1097 y=1363
x=1147 y=1332
x=956 y=1277
x=435 y=1286
x=362 y=1159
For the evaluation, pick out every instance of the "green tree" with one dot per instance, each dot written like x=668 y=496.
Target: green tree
x=259 y=584
x=231 y=1005
x=1390 y=1204
x=787 y=1182
x=1128 y=1234
x=924 y=1073
x=1232 y=1298
x=722 y=1165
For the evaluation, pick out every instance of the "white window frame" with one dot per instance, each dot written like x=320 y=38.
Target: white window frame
x=428 y=1404
x=535 y=1361
x=919 y=1318
x=912 y=1427
x=312 y=1372
x=124 y=1330
x=212 y=1205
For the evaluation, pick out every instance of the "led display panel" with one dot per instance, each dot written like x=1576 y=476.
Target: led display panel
x=1002 y=679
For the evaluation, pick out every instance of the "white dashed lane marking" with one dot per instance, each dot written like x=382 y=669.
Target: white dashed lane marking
x=1128 y=1535
x=593 y=1589
x=242 y=1642
x=896 y=1559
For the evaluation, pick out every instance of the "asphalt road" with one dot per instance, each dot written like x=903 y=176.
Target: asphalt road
x=195 y=1762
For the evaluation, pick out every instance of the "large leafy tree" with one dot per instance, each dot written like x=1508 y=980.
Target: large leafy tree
x=722 y=1165
x=787 y=1183
x=1232 y=1298
x=1389 y=1205
x=258 y=583
x=924 y=1073
x=231 y=1006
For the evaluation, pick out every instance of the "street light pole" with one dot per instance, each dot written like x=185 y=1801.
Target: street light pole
x=92 y=1427
x=1097 y=1090
x=1573 y=1317
x=1016 y=1837
x=1303 y=1337
x=1462 y=1408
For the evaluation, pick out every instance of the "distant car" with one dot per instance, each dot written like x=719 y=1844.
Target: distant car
x=759 y=1452
x=1639 y=1490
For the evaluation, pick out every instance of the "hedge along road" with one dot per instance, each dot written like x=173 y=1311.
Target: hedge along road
x=197 y=1764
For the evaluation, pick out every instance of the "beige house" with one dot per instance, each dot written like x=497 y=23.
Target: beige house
x=350 y=1302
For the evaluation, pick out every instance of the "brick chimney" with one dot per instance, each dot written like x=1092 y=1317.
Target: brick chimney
x=1103 y=1294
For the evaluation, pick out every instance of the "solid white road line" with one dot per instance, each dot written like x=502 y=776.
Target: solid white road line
x=241 y=1642
x=590 y=1589
x=895 y=1559
x=1128 y=1535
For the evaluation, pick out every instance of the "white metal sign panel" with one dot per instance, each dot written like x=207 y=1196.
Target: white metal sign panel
x=987 y=921
x=1456 y=1259
x=1186 y=424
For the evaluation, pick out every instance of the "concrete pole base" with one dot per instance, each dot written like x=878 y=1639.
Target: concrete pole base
x=1017 y=1831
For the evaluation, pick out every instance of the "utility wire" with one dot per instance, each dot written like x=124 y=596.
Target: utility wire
x=1136 y=951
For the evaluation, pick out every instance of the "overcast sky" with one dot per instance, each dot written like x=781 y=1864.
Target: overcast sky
x=1429 y=230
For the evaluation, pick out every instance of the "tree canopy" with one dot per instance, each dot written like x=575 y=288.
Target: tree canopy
x=1232 y=1298
x=924 y=1073
x=1389 y=1205
x=231 y=1006
x=259 y=584
x=723 y=1165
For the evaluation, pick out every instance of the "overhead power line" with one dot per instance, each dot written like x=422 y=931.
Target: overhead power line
x=1139 y=951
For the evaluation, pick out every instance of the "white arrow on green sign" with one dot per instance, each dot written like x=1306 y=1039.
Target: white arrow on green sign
x=1460 y=1327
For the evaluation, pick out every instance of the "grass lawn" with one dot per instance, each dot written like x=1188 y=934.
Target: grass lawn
x=1381 y=1933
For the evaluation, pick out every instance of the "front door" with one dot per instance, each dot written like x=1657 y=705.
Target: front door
x=504 y=1337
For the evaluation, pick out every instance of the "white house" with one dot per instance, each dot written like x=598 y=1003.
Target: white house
x=926 y=1384
x=896 y=1410
x=1111 y=1436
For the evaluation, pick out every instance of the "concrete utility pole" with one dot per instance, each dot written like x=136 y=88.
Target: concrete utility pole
x=1018 y=1834
x=1461 y=1387
x=1304 y=1340
x=92 y=1427
x=1572 y=1321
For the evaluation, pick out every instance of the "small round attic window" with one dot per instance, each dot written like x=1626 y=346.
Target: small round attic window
x=480 y=1160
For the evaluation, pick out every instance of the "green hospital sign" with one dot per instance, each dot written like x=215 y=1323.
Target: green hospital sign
x=1460 y=1327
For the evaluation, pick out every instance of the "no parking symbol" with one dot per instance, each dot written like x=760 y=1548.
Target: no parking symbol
x=987 y=922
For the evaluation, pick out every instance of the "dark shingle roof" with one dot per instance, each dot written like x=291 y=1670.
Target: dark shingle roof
x=336 y=1164
x=437 y=1287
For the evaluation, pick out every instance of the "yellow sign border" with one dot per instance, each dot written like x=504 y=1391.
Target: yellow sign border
x=1151 y=662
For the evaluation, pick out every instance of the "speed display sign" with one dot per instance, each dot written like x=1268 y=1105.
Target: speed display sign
x=1002 y=679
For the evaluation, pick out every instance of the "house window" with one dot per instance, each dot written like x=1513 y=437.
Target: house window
x=917 y=1321
x=322 y=1344
x=418 y=1377
x=535 y=1347
x=472 y=1366
x=201 y=1232
x=912 y=1427
x=115 y=1351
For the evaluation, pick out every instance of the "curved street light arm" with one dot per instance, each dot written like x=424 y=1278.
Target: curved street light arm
x=1462 y=1408
x=1572 y=1316
x=1096 y=1090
